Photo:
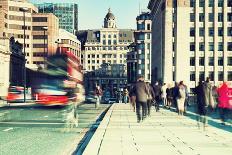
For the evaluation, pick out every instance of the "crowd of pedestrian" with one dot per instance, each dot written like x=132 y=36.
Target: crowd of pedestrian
x=143 y=95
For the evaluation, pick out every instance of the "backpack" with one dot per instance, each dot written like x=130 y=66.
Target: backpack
x=181 y=93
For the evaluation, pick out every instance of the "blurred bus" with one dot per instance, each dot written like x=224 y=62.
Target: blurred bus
x=60 y=83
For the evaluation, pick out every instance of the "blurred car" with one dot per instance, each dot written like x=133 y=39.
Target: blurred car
x=112 y=100
x=16 y=94
x=90 y=99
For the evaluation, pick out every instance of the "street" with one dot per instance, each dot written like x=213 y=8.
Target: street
x=33 y=129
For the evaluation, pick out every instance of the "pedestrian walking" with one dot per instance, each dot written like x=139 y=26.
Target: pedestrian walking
x=98 y=93
x=181 y=98
x=140 y=89
x=150 y=98
x=186 y=98
x=132 y=97
x=223 y=99
x=164 y=95
x=175 y=95
x=125 y=95
x=169 y=96
x=157 y=92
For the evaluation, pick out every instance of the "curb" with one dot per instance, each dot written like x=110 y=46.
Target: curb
x=94 y=145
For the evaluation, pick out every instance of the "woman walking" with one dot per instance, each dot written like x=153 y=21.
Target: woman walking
x=181 y=98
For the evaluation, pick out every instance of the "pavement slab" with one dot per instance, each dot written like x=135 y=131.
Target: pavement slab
x=163 y=133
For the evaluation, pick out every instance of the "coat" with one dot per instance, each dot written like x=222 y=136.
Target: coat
x=208 y=94
x=141 y=91
x=201 y=107
x=223 y=97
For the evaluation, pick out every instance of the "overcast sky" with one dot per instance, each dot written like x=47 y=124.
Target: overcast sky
x=92 y=12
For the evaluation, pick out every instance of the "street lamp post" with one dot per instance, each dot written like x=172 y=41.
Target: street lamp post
x=24 y=10
x=44 y=55
x=58 y=44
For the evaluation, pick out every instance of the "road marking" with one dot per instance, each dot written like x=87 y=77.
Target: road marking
x=8 y=129
x=45 y=116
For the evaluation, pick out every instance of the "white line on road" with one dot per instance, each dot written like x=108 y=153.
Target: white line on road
x=8 y=129
x=45 y=116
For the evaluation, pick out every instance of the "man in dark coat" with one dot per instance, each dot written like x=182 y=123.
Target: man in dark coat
x=141 y=92
x=157 y=93
x=175 y=95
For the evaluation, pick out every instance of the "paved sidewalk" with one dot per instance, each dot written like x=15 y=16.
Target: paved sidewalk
x=164 y=133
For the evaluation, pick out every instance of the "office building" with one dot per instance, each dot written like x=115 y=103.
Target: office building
x=191 y=40
x=66 y=12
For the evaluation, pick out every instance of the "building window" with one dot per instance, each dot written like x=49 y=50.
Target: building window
x=115 y=36
x=220 y=17
x=192 y=32
x=229 y=61
x=229 y=17
x=202 y=31
x=104 y=36
x=220 y=76
x=201 y=17
x=229 y=46
x=211 y=61
x=115 y=42
x=148 y=27
x=192 y=61
x=220 y=61
x=201 y=46
x=201 y=3
x=211 y=46
x=104 y=42
x=211 y=31
x=109 y=42
x=220 y=3
x=192 y=17
x=211 y=76
x=229 y=31
x=109 y=36
x=220 y=46
x=148 y=36
x=201 y=61
x=39 y=19
x=192 y=46
x=201 y=76
x=220 y=31
x=229 y=3
x=192 y=76
x=211 y=3
x=211 y=17
x=192 y=3
x=229 y=76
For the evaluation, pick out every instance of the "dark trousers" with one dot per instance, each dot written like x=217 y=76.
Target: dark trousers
x=157 y=102
x=138 y=110
x=149 y=102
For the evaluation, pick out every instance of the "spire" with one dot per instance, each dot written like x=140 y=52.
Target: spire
x=109 y=10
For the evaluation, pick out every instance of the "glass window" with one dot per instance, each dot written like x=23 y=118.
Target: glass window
x=192 y=46
x=211 y=17
x=229 y=76
x=201 y=17
x=211 y=76
x=192 y=31
x=220 y=31
x=229 y=61
x=109 y=36
x=115 y=42
x=192 y=17
x=115 y=36
x=229 y=3
x=201 y=46
x=229 y=46
x=201 y=3
x=229 y=31
x=148 y=36
x=104 y=42
x=104 y=36
x=229 y=17
x=220 y=76
x=201 y=61
x=220 y=61
x=220 y=3
x=211 y=3
x=201 y=76
x=202 y=31
x=192 y=3
x=148 y=27
x=192 y=61
x=211 y=46
x=192 y=76
x=211 y=61
x=220 y=46
x=109 y=42
x=211 y=31
x=220 y=17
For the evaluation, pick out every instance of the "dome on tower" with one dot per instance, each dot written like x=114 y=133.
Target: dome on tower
x=110 y=15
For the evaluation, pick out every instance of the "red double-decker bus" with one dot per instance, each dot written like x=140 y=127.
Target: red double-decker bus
x=61 y=82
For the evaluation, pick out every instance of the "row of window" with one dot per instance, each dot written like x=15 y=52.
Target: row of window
x=210 y=17
x=107 y=48
x=210 y=31
x=211 y=76
x=142 y=26
x=104 y=61
x=211 y=61
x=210 y=3
x=211 y=46
x=19 y=18
x=19 y=27
x=106 y=56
